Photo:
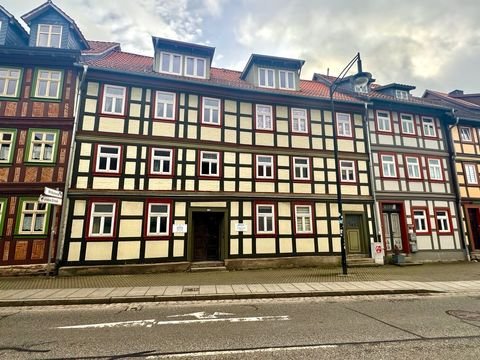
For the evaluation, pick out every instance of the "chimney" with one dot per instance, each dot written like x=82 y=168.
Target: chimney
x=455 y=93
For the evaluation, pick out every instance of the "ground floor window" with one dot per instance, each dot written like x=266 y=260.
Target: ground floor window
x=265 y=218
x=158 y=219
x=102 y=219
x=32 y=217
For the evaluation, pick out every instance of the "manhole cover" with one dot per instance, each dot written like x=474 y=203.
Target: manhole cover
x=191 y=288
x=465 y=315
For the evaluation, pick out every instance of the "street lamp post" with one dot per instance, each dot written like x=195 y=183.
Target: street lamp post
x=360 y=79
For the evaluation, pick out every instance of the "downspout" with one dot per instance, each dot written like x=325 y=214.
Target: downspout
x=453 y=174
x=68 y=178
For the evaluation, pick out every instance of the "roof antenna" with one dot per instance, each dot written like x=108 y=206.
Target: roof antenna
x=328 y=71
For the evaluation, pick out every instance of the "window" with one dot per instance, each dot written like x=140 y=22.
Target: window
x=102 y=219
x=158 y=219
x=401 y=94
x=435 y=169
x=344 y=125
x=303 y=219
x=471 y=174
x=7 y=144
x=299 y=121
x=466 y=134
x=114 y=100
x=388 y=166
x=10 y=82
x=266 y=78
x=264 y=167
x=48 y=84
x=301 y=168
x=49 y=35
x=165 y=105
x=413 y=167
x=347 y=171
x=195 y=67
x=211 y=111
x=362 y=89
x=287 y=80
x=265 y=219
x=264 y=117
x=209 y=163
x=108 y=159
x=443 y=221
x=42 y=146
x=170 y=63
x=384 y=123
x=161 y=162
x=428 y=125
x=33 y=217
x=420 y=218
x=3 y=206
x=407 y=124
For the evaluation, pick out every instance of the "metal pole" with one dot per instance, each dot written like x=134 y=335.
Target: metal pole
x=50 y=243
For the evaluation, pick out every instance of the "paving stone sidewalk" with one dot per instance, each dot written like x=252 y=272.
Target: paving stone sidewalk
x=40 y=290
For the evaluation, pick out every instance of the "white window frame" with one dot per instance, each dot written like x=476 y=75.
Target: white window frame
x=303 y=220
x=210 y=163
x=401 y=94
x=407 y=118
x=344 y=125
x=471 y=173
x=299 y=117
x=196 y=68
x=469 y=137
x=208 y=111
x=412 y=166
x=435 y=171
x=347 y=168
x=9 y=78
x=262 y=218
x=265 y=78
x=170 y=64
x=166 y=103
x=443 y=221
x=8 y=144
x=49 y=34
x=264 y=165
x=429 y=127
x=288 y=85
x=158 y=216
x=35 y=212
x=50 y=81
x=418 y=218
x=301 y=167
x=162 y=159
x=102 y=215
x=261 y=117
x=108 y=157
x=43 y=142
x=390 y=165
x=362 y=89
x=384 y=123
x=115 y=99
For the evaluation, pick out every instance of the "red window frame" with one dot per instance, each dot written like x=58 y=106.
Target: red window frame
x=307 y=125
x=427 y=220
x=434 y=127
x=464 y=165
x=150 y=163
x=414 y=134
x=107 y=173
x=405 y=163
x=154 y=107
x=274 y=168
x=395 y=160
x=312 y=213
x=274 y=222
x=442 y=169
x=168 y=202
x=355 y=172
x=352 y=129
x=220 y=112
x=102 y=99
x=309 y=167
x=255 y=119
x=449 y=217
x=471 y=141
x=220 y=165
x=377 y=129
x=115 y=220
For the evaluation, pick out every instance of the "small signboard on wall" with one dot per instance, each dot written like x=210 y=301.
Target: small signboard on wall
x=240 y=227
x=378 y=252
x=180 y=228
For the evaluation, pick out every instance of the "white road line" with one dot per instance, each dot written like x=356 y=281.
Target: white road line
x=150 y=323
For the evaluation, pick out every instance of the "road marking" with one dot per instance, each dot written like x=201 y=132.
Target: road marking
x=202 y=315
x=152 y=322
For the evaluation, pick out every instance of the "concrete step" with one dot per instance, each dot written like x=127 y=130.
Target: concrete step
x=357 y=261
x=208 y=268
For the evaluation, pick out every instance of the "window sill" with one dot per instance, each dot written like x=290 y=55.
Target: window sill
x=58 y=100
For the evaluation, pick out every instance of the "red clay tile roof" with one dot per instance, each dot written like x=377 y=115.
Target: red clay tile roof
x=98 y=47
x=139 y=64
x=456 y=100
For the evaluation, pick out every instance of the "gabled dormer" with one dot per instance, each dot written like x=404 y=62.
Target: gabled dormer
x=181 y=58
x=273 y=72
x=51 y=27
x=398 y=91
x=12 y=34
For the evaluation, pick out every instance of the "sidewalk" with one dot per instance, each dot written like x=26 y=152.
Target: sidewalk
x=299 y=282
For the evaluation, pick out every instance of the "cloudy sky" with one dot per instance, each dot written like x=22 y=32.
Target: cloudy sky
x=431 y=44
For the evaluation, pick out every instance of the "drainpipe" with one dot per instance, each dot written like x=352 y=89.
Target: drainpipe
x=68 y=178
x=453 y=174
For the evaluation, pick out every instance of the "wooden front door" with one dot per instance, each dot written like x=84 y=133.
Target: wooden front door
x=207 y=227
x=354 y=234
x=392 y=226
x=474 y=219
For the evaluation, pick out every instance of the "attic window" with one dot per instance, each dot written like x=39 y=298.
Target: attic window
x=287 y=80
x=401 y=94
x=363 y=89
x=266 y=77
x=49 y=35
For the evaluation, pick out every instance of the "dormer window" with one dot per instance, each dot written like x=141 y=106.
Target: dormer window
x=401 y=94
x=195 y=67
x=266 y=78
x=362 y=89
x=49 y=35
x=170 y=63
x=287 y=80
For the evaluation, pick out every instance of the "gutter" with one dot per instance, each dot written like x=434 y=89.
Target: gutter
x=68 y=177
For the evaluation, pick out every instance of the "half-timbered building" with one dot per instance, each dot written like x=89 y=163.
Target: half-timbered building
x=178 y=162
x=37 y=94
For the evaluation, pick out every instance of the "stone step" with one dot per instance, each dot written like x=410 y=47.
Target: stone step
x=355 y=262
x=208 y=268
x=199 y=264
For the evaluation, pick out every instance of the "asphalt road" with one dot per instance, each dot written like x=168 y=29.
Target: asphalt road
x=374 y=327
